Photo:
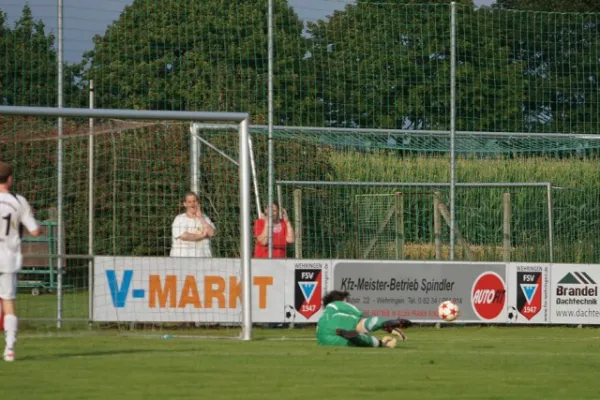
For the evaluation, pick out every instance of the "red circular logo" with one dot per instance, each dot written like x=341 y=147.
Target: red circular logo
x=488 y=295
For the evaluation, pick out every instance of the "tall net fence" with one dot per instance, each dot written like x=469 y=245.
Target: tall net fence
x=339 y=64
x=361 y=93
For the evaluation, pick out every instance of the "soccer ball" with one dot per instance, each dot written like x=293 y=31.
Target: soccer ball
x=290 y=313
x=513 y=314
x=448 y=311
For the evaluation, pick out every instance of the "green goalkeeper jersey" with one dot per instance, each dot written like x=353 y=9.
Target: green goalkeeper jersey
x=337 y=315
x=341 y=307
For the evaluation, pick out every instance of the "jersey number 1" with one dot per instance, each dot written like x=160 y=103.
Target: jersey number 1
x=7 y=218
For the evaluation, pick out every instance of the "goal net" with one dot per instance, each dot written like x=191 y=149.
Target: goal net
x=495 y=221
x=113 y=197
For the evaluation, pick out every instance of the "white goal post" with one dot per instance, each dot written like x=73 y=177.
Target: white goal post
x=241 y=121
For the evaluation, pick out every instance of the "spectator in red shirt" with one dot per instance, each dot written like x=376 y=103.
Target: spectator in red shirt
x=283 y=233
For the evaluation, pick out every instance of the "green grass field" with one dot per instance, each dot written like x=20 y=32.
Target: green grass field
x=450 y=363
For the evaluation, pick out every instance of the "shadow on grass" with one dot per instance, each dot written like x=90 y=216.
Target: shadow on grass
x=99 y=353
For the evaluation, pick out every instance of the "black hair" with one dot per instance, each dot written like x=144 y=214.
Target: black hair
x=335 y=295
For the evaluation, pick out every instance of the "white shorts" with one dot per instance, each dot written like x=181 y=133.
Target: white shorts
x=8 y=285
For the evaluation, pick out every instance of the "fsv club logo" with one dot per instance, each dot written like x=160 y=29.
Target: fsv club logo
x=529 y=297
x=308 y=292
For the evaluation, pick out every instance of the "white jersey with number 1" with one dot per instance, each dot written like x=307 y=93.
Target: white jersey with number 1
x=14 y=211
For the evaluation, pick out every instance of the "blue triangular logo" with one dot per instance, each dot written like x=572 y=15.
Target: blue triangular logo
x=529 y=291
x=308 y=289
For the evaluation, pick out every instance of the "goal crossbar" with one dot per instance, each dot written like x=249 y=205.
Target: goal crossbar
x=129 y=114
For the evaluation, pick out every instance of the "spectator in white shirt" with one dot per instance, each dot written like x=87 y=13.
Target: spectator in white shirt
x=192 y=230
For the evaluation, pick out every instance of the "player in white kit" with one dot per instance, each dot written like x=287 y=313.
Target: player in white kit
x=15 y=213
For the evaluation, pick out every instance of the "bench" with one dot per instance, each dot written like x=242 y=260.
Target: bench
x=39 y=270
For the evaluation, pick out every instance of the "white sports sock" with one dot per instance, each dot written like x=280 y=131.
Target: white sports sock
x=375 y=342
x=11 y=324
x=372 y=324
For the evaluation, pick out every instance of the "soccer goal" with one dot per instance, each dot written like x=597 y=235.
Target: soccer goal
x=414 y=223
x=109 y=187
x=411 y=220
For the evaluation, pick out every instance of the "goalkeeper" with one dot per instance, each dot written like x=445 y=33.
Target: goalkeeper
x=342 y=324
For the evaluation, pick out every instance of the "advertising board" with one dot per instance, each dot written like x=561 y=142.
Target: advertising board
x=413 y=290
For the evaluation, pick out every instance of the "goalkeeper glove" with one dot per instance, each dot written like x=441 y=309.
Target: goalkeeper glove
x=388 y=342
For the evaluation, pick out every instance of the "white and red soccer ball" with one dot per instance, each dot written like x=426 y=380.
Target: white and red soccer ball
x=448 y=311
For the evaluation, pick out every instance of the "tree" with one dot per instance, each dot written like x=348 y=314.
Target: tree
x=559 y=52
x=388 y=66
x=198 y=55
x=369 y=60
x=490 y=83
x=28 y=76
x=580 y=6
